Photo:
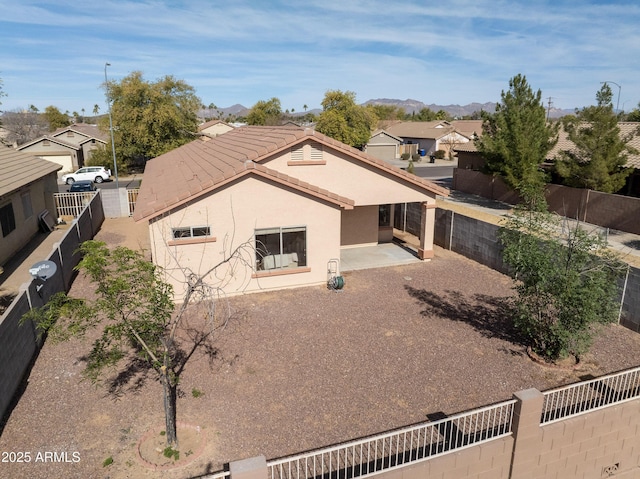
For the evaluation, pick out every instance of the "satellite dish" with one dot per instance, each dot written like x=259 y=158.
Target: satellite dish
x=43 y=270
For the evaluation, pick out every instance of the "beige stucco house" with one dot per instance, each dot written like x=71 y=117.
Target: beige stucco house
x=27 y=185
x=70 y=147
x=286 y=200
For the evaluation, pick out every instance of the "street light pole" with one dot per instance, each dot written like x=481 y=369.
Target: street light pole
x=113 y=145
x=619 y=90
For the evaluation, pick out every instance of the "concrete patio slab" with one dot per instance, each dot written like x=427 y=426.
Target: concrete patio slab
x=377 y=256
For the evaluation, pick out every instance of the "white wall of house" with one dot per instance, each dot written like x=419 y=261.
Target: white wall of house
x=233 y=213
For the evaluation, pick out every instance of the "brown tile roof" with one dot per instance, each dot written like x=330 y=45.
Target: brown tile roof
x=90 y=131
x=627 y=128
x=468 y=127
x=202 y=166
x=57 y=140
x=420 y=129
x=18 y=169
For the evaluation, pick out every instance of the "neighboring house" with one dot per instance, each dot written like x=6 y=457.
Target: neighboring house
x=384 y=145
x=430 y=136
x=27 y=185
x=214 y=128
x=70 y=147
x=292 y=196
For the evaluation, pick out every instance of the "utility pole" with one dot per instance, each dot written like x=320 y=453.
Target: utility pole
x=549 y=106
x=113 y=145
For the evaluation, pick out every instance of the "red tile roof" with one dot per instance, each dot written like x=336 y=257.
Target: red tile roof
x=203 y=165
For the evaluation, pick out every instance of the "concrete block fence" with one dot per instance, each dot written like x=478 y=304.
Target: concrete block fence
x=19 y=344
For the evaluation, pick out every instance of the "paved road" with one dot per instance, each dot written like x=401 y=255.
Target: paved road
x=124 y=182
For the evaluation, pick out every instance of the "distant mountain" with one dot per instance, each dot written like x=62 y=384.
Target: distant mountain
x=414 y=106
x=411 y=106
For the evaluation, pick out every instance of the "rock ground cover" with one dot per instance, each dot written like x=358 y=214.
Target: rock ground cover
x=300 y=369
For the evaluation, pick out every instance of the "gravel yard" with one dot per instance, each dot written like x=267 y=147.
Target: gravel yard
x=301 y=369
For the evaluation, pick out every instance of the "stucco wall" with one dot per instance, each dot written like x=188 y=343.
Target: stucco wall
x=40 y=193
x=359 y=226
x=234 y=213
x=346 y=177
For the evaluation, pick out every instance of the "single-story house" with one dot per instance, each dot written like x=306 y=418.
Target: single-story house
x=286 y=200
x=429 y=136
x=27 y=185
x=214 y=128
x=70 y=147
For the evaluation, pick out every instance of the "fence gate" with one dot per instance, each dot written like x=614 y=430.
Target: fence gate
x=72 y=204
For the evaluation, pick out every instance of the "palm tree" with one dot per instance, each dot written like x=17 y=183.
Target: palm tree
x=96 y=109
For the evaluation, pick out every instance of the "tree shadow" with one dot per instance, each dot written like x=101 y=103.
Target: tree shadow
x=489 y=315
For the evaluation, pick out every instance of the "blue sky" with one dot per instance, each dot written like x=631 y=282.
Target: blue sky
x=53 y=52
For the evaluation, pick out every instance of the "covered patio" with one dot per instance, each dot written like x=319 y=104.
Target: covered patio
x=398 y=252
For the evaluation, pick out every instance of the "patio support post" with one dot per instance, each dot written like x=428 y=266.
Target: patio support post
x=427 y=229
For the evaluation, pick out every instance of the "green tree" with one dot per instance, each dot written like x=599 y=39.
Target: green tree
x=150 y=118
x=56 y=118
x=265 y=113
x=634 y=115
x=516 y=138
x=138 y=321
x=343 y=120
x=565 y=280
x=388 y=112
x=600 y=154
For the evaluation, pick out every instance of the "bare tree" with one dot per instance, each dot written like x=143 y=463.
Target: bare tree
x=144 y=325
x=23 y=125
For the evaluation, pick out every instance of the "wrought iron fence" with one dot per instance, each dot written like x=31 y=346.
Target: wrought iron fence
x=587 y=396
x=394 y=449
x=72 y=204
x=132 y=196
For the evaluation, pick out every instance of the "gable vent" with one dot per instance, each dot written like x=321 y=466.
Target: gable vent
x=297 y=154
x=316 y=152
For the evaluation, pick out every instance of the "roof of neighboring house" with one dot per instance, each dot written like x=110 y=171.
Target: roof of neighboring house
x=18 y=169
x=468 y=147
x=386 y=133
x=66 y=144
x=211 y=123
x=204 y=165
x=85 y=129
x=627 y=128
x=421 y=129
x=468 y=127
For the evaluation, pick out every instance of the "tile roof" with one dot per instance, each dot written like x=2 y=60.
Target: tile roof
x=627 y=128
x=420 y=129
x=205 y=164
x=468 y=127
x=59 y=141
x=18 y=169
x=86 y=129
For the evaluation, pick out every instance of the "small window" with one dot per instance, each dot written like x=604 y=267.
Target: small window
x=191 y=232
x=279 y=248
x=27 y=207
x=46 y=143
x=70 y=134
x=7 y=219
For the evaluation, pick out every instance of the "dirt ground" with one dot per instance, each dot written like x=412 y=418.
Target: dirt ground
x=296 y=370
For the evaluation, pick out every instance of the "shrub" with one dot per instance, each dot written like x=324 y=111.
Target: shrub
x=405 y=156
x=439 y=154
